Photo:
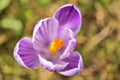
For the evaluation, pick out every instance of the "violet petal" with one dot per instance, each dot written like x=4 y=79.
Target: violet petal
x=75 y=65
x=69 y=38
x=69 y=16
x=44 y=33
x=49 y=65
x=25 y=54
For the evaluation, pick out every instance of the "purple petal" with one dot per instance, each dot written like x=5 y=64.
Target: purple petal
x=45 y=32
x=75 y=65
x=69 y=16
x=69 y=39
x=25 y=54
x=51 y=66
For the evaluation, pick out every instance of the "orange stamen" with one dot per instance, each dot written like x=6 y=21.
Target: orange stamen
x=55 y=45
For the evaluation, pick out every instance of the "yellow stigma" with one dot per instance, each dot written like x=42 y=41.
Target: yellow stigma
x=55 y=45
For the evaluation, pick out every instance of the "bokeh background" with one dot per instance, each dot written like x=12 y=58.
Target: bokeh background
x=98 y=40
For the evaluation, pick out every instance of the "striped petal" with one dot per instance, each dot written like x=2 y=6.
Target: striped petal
x=25 y=54
x=75 y=65
x=69 y=16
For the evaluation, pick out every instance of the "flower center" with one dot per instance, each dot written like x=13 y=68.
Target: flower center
x=55 y=45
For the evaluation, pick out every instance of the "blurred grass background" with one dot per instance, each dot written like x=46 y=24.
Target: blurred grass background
x=98 y=41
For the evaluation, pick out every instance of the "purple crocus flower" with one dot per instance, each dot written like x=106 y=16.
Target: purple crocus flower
x=53 y=43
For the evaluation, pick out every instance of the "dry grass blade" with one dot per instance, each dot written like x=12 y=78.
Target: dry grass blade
x=100 y=36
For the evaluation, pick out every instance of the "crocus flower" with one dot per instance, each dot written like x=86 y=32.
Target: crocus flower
x=53 y=43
